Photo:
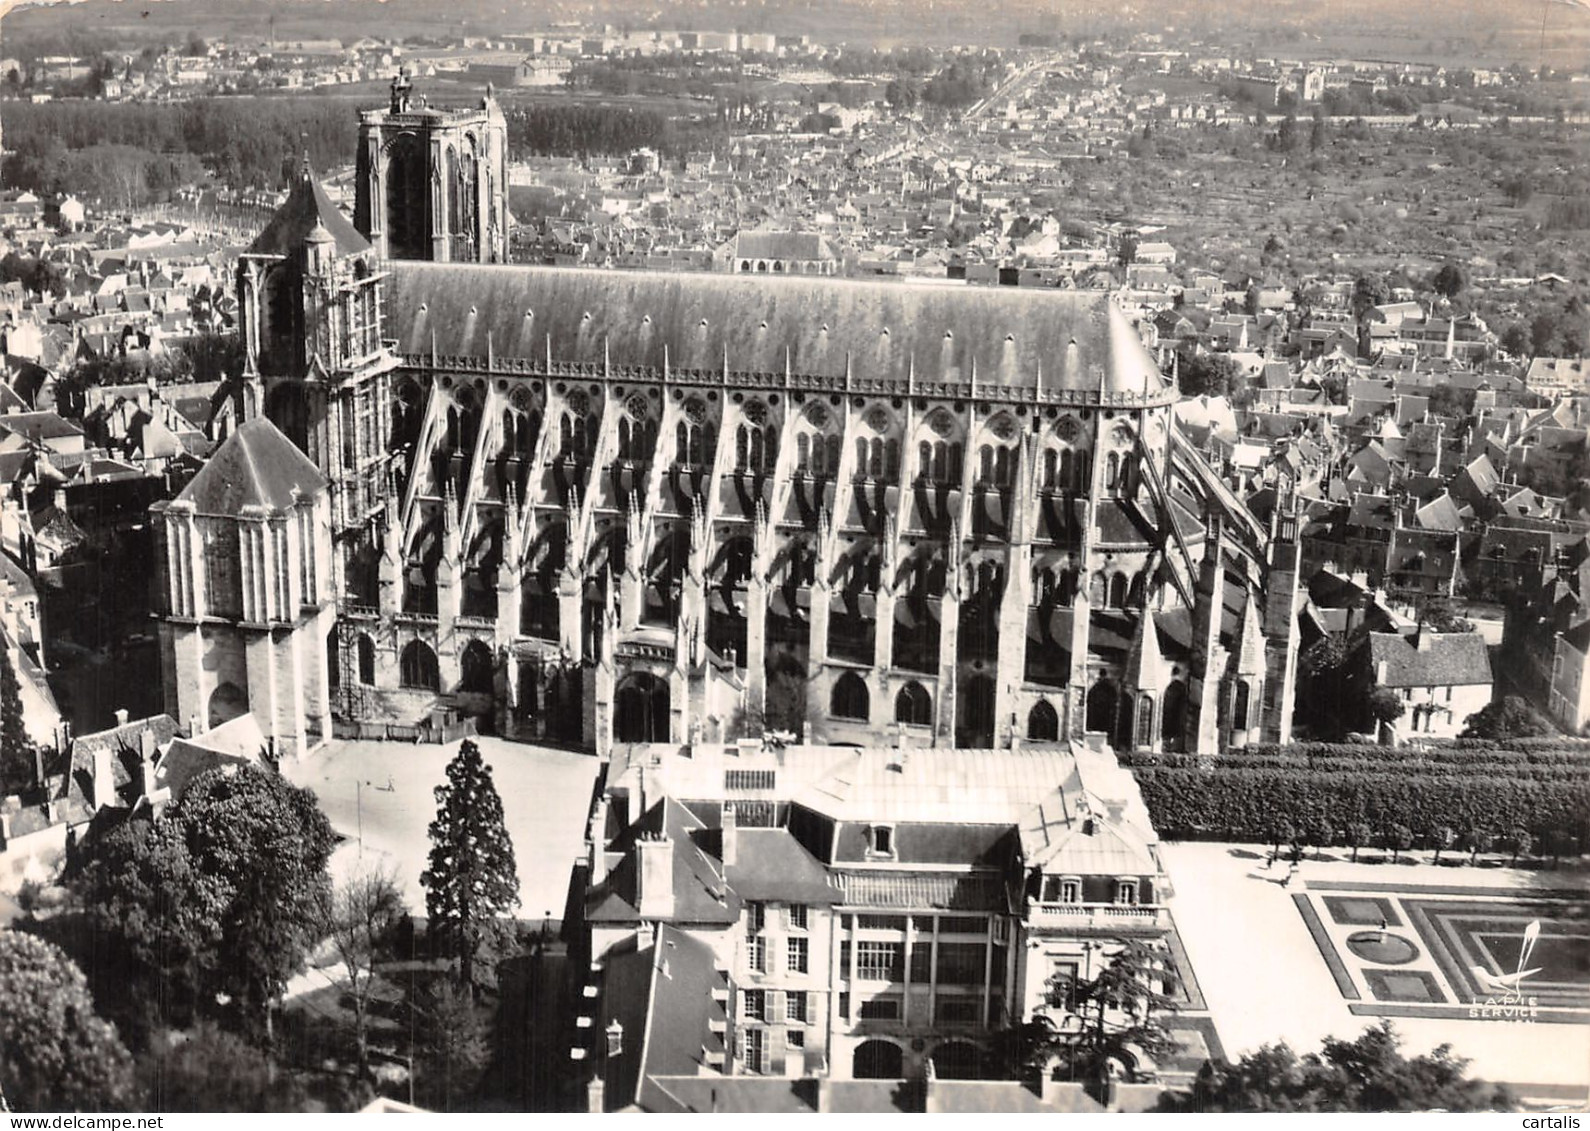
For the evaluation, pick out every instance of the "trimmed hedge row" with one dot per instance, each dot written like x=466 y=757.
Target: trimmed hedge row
x=1521 y=771
x=1232 y=803
x=1537 y=751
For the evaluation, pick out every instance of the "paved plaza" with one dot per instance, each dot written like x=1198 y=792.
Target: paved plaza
x=380 y=798
x=1306 y=960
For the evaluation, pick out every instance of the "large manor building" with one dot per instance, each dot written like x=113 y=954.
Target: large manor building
x=598 y=507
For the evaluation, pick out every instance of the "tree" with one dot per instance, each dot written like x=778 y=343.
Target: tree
x=1366 y=1075
x=1449 y=281
x=1478 y=840
x=1120 y=1011
x=1505 y=718
x=1440 y=616
x=452 y=1047
x=1398 y=838
x=159 y=913
x=1208 y=374
x=264 y=843
x=472 y=878
x=1385 y=705
x=196 y=45
x=1318 y=831
x=1359 y=834
x=1368 y=291
x=1443 y=838
x=1282 y=832
x=1518 y=842
x=56 y=1054
x=209 y=1069
x=1319 y=134
x=358 y=916
x=1515 y=339
x=1126 y=254
x=18 y=767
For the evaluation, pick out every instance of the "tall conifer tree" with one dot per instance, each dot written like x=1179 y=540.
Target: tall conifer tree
x=472 y=878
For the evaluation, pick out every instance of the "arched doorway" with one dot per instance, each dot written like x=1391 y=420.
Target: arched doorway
x=565 y=705
x=913 y=706
x=1043 y=722
x=1102 y=704
x=640 y=709
x=958 y=1060
x=366 y=659
x=976 y=727
x=1173 y=716
x=878 y=1060
x=477 y=668
x=418 y=668
x=227 y=702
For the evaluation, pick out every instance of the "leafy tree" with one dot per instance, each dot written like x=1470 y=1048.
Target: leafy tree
x=1449 y=281
x=1126 y=254
x=472 y=878
x=1518 y=842
x=358 y=916
x=1318 y=831
x=1120 y=1009
x=1398 y=839
x=1478 y=840
x=1359 y=834
x=1368 y=291
x=209 y=1069
x=1505 y=718
x=1385 y=705
x=1365 y=1075
x=1440 y=616
x=1208 y=374
x=1443 y=838
x=56 y=1054
x=1282 y=832
x=159 y=912
x=265 y=844
x=452 y=1048
x=1319 y=134
x=18 y=769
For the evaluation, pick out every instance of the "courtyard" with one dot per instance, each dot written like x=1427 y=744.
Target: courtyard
x=1343 y=945
x=380 y=799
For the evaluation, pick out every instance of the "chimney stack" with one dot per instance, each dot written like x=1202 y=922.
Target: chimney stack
x=121 y=716
x=655 y=878
x=104 y=777
x=731 y=837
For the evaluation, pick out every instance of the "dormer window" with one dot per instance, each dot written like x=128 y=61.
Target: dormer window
x=1126 y=892
x=880 y=840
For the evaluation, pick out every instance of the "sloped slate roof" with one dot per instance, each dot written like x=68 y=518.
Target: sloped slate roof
x=1452 y=659
x=1076 y=339
x=256 y=466
x=306 y=205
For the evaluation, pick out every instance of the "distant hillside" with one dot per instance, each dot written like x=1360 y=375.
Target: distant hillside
x=1475 y=32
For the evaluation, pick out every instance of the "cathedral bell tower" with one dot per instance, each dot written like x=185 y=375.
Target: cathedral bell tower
x=317 y=365
x=433 y=184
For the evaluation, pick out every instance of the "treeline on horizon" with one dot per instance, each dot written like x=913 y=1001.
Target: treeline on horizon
x=127 y=154
x=97 y=150
x=587 y=131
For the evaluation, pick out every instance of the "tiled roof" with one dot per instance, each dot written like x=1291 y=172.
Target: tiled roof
x=307 y=205
x=256 y=466
x=1430 y=659
x=816 y=325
